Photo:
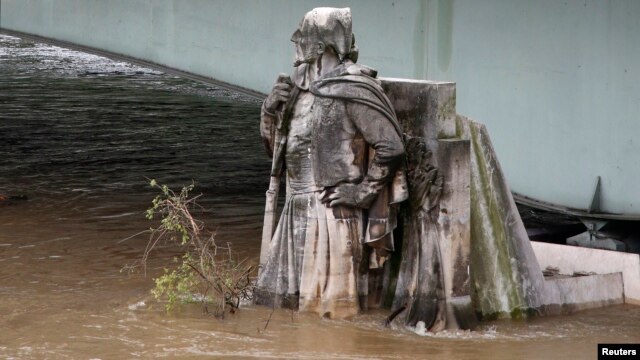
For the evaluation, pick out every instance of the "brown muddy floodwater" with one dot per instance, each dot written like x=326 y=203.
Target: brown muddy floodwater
x=80 y=135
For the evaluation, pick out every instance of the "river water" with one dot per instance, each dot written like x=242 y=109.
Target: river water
x=80 y=135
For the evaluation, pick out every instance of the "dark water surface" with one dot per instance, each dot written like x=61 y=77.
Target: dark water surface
x=80 y=135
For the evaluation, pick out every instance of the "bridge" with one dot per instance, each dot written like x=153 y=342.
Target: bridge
x=556 y=82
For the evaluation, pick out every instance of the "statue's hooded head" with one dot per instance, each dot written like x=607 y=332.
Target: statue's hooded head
x=321 y=28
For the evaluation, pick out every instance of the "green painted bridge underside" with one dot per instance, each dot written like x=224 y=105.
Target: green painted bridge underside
x=556 y=82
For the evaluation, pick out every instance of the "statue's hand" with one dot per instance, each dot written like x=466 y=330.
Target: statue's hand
x=279 y=94
x=353 y=195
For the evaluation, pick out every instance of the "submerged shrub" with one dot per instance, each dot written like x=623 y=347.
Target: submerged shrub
x=206 y=272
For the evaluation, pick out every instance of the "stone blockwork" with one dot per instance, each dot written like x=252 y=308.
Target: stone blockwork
x=570 y=260
x=506 y=278
x=425 y=109
x=465 y=253
x=569 y=294
x=453 y=223
x=507 y=281
x=433 y=280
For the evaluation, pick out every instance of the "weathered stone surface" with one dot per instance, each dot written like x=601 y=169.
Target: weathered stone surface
x=432 y=282
x=571 y=259
x=452 y=159
x=496 y=256
x=333 y=132
x=425 y=109
x=420 y=288
x=570 y=294
x=505 y=273
x=506 y=277
x=334 y=137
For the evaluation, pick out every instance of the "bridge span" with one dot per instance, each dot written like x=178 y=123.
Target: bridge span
x=556 y=82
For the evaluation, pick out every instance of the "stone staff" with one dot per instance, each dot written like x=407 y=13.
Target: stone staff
x=279 y=145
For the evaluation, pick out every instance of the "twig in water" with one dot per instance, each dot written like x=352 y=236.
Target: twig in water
x=134 y=235
x=273 y=309
x=393 y=315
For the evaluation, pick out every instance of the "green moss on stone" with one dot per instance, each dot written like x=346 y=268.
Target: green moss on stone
x=487 y=301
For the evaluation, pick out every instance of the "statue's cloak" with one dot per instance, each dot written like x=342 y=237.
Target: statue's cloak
x=357 y=83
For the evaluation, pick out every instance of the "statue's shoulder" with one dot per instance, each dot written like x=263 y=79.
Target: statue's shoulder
x=351 y=82
x=355 y=83
x=364 y=75
x=346 y=75
x=342 y=75
x=362 y=70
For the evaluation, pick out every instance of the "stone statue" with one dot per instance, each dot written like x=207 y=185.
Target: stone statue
x=351 y=148
x=334 y=136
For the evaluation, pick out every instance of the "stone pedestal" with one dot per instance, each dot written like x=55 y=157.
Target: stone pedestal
x=429 y=278
x=507 y=280
x=453 y=223
x=425 y=109
x=464 y=252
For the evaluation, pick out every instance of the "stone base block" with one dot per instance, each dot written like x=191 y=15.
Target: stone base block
x=570 y=294
x=572 y=259
x=460 y=314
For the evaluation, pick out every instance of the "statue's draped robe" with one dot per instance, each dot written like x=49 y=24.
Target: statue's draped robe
x=317 y=260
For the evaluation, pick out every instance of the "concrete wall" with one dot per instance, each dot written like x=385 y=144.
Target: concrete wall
x=567 y=295
x=569 y=259
x=556 y=82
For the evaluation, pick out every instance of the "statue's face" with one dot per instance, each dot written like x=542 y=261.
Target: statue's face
x=306 y=49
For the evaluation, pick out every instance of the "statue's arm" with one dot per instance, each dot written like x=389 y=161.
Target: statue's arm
x=267 y=129
x=380 y=134
x=275 y=101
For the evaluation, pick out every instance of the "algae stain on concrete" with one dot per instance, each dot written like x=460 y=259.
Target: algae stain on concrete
x=498 y=293
x=420 y=52
x=447 y=111
x=445 y=34
x=433 y=39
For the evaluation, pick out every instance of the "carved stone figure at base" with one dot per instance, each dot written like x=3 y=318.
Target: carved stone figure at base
x=335 y=139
